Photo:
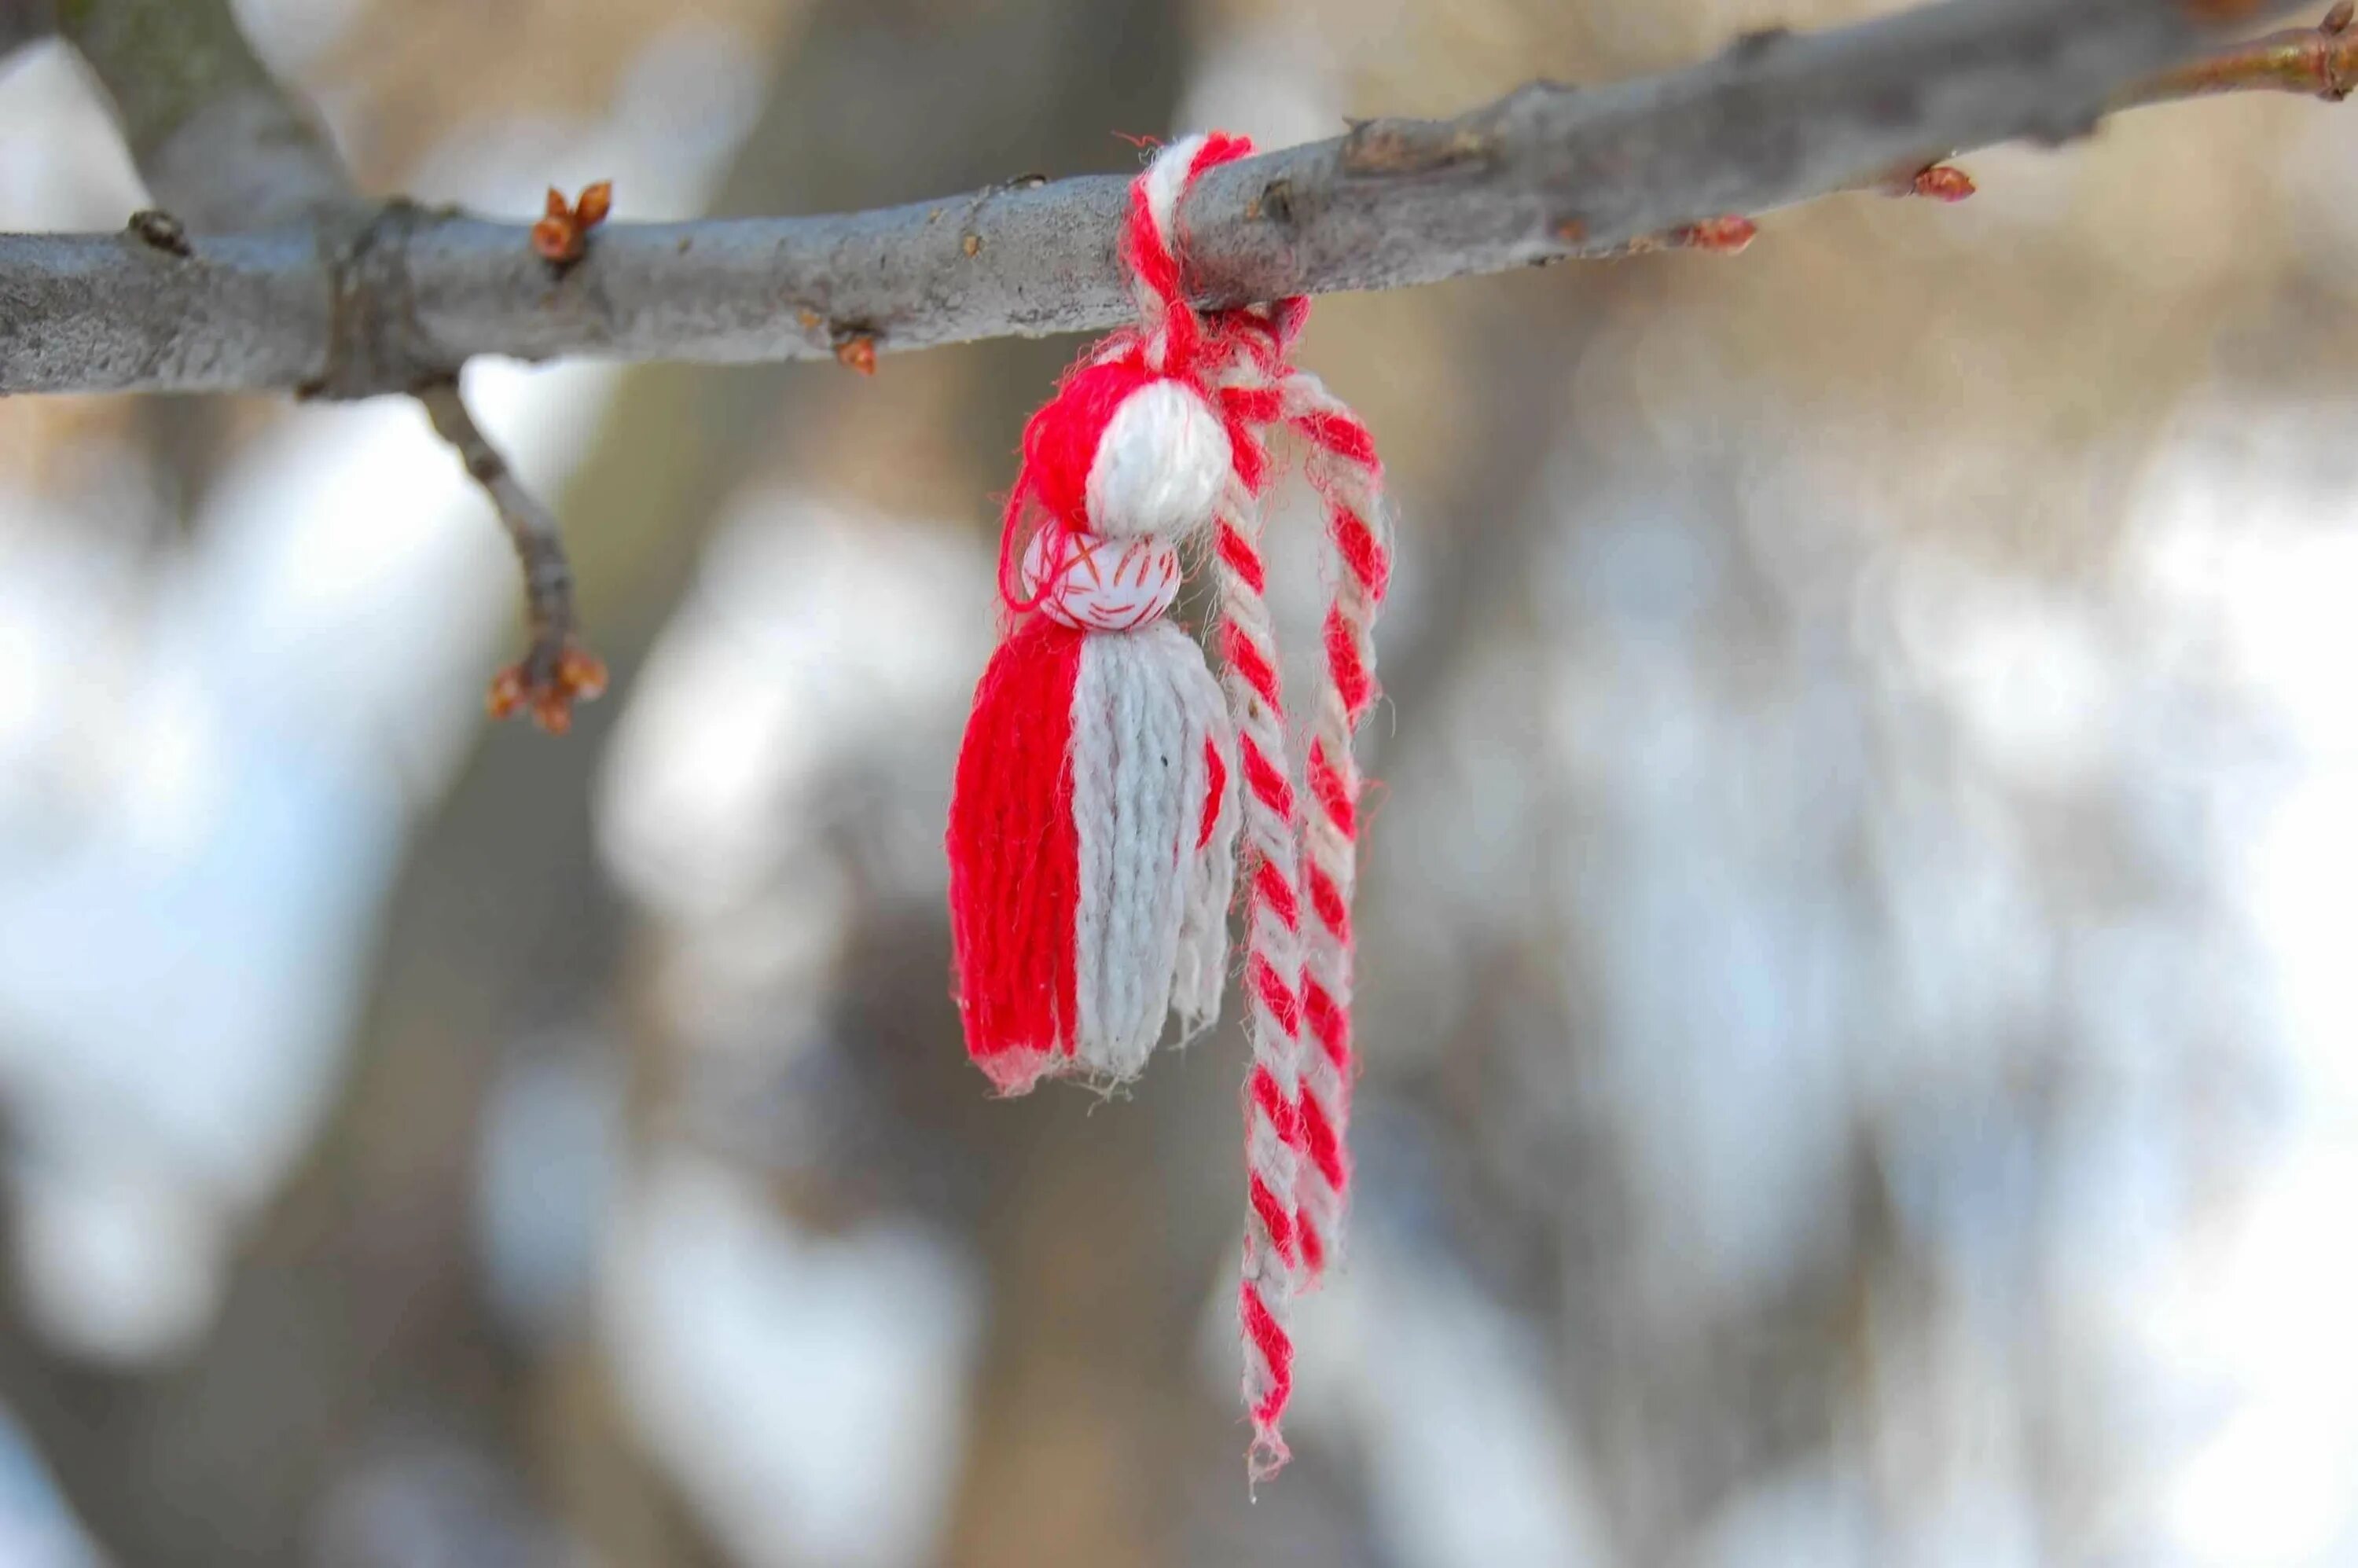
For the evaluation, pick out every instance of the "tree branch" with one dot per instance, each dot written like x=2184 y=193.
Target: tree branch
x=213 y=136
x=557 y=670
x=2314 y=62
x=1545 y=174
x=226 y=148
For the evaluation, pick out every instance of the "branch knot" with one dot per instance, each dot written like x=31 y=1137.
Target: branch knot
x=375 y=343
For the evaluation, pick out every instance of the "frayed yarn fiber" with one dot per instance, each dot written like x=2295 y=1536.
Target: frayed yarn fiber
x=1015 y=859
x=1113 y=795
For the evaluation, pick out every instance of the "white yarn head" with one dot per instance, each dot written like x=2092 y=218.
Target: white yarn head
x=1160 y=464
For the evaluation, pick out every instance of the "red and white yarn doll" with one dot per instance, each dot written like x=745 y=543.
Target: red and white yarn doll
x=1093 y=823
x=1104 y=787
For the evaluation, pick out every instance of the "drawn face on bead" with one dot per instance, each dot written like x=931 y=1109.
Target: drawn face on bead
x=1100 y=584
x=1161 y=463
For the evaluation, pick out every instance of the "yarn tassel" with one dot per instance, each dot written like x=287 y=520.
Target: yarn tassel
x=1093 y=822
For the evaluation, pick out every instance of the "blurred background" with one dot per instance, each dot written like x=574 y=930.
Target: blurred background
x=1861 y=1035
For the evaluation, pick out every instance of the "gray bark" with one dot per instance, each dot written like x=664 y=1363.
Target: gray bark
x=214 y=137
x=1547 y=173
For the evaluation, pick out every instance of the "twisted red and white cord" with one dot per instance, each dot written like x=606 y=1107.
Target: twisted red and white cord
x=1297 y=976
x=1349 y=479
x=1272 y=1253
x=1245 y=390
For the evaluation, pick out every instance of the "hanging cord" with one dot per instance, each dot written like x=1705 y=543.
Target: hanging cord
x=1349 y=479
x=1245 y=390
x=1121 y=423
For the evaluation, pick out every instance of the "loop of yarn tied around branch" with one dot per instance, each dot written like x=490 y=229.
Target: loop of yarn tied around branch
x=1112 y=793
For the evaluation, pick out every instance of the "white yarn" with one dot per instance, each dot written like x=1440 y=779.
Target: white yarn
x=1165 y=182
x=1209 y=873
x=1159 y=464
x=1153 y=935
x=1143 y=707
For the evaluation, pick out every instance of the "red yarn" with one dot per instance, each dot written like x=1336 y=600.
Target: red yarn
x=1318 y=1138
x=1238 y=554
x=1266 y=780
x=1327 y=1022
x=1061 y=441
x=1327 y=899
x=1273 y=1344
x=1339 y=434
x=1249 y=661
x=1335 y=794
x=1350 y=677
x=1216 y=786
x=1273 y=888
x=1355 y=542
x=1060 y=444
x=1014 y=857
x=1278 y=996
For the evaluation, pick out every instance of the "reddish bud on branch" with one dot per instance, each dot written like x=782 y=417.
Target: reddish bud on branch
x=1721 y=236
x=563 y=232
x=1942 y=182
x=577 y=675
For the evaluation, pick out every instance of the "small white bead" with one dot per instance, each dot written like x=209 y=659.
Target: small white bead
x=1101 y=585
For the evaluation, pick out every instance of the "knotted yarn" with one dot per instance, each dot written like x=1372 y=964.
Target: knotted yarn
x=1109 y=786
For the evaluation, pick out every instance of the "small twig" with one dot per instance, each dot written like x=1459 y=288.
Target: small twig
x=222 y=144
x=556 y=670
x=2314 y=62
x=2319 y=62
